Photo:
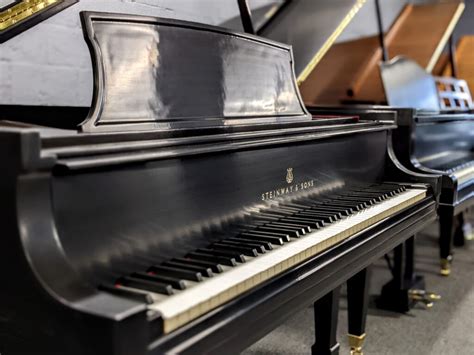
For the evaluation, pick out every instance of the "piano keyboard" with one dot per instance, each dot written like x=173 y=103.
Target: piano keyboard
x=273 y=240
x=463 y=173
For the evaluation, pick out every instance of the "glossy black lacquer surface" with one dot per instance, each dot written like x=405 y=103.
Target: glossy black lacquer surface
x=429 y=143
x=156 y=73
x=81 y=209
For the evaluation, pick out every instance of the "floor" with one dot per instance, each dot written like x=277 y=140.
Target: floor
x=447 y=328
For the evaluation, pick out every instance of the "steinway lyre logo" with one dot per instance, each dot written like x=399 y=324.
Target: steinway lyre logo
x=17 y=16
x=289 y=175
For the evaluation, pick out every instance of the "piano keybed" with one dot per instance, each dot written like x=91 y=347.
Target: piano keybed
x=267 y=242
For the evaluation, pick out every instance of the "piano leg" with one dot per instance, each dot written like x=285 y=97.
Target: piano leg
x=446 y=226
x=326 y=312
x=405 y=288
x=458 y=239
x=358 y=300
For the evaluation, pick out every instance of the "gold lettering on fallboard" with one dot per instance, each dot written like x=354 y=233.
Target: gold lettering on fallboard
x=289 y=175
x=282 y=191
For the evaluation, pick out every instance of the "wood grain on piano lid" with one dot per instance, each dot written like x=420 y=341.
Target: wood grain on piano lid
x=420 y=32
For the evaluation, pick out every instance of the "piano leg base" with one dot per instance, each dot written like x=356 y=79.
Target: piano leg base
x=331 y=351
x=356 y=343
x=398 y=298
x=445 y=266
x=463 y=231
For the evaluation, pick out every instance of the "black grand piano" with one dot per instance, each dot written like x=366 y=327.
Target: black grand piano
x=197 y=206
x=435 y=136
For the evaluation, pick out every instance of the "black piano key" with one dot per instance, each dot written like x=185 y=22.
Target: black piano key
x=321 y=211
x=284 y=236
x=304 y=227
x=288 y=207
x=241 y=242
x=175 y=272
x=212 y=258
x=374 y=196
x=265 y=245
x=156 y=287
x=270 y=213
x=283 y=210
x=273 y=214
x=338 y=213
x=320 y=206
x=333 y=203
x=297 y=205
x=324 y=204
x=287 y=231
x=385 y=188
x=235 y=248
x=372 y=189
x=312 y=223
x=349 y=200
x=265 y=238
x=358 y=206
x=132 y=294
x=388 y=186
x=239 y=257
x=327 y=218
x=251 y=225
x=366 y=193
x=367 y=199
x=301 y=230
x=261 y=216
x=217 y=268
x=174 y=282
x=205 y=271
x=357 y=200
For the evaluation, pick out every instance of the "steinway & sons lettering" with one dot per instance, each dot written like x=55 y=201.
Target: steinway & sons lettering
x=282 y=191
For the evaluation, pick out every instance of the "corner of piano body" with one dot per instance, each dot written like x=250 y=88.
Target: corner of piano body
x=34 y=263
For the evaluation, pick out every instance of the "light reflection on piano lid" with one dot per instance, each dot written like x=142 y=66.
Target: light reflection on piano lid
x=145 y=80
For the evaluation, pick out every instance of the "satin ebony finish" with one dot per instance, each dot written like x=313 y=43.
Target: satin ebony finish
x=164 y=194
x=82 y=210
x=157 y=73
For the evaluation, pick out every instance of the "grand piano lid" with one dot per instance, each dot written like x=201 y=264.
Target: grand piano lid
x=310 y=27
x=154 y=73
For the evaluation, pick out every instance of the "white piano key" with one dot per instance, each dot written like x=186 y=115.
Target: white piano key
x=464 y=174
